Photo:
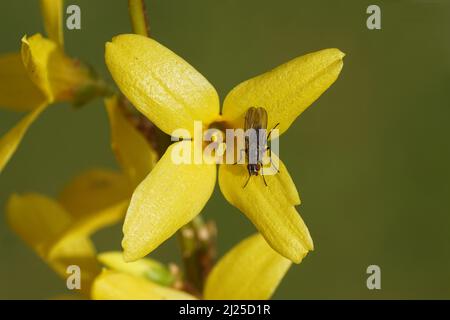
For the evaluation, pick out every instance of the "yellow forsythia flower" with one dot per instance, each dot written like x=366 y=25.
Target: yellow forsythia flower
x=172 y=94
x=38 y=76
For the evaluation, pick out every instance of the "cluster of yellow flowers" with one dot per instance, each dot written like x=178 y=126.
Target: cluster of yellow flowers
x=156 y=196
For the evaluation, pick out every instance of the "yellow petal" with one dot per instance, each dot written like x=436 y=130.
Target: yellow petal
x=37 y=219
x=251 y=270
x=89 y=224
x=75 y=251
x=132 y=150
x=40 y=222
x=59 y=77
x=170 y=196
x=164 y=87
x=37 y=53
x=111 y=285
x=17 y=91
x=270 y=208
x=52 y=12
x=147 y=268
x=95 y=190
x=96 y=199
x=286 y=91
x=10 y=141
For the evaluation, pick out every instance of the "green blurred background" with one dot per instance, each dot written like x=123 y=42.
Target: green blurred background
x=370 y=158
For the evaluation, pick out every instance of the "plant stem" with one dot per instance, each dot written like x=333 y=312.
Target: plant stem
x=197 y=238
x=198 y=249
x=138 y=16
x=154 y=136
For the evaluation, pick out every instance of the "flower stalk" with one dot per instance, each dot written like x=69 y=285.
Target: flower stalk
x=198 y=248
x=138 y=16
x=197 y=238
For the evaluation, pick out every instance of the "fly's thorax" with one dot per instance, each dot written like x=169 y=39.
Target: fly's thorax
x=222 y=144
x=255 y=145
x=246 y=145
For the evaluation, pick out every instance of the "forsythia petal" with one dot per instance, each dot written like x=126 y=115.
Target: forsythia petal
x=170 y=196
x=270 y=208
x=250 y=271
x=286 y=91
x=41 y=222
x=75 y=251
x=52 y=12
x=36 y=219
x=164 y=87
x=111 y=285
x=37 y=53
x=59 y=77
x=147 y=268
x=10 y=141
x=132 y=150
x=17 y=91
x=89 y=224
x=95 y=190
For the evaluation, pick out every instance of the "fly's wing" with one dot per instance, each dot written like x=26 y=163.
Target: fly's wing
x=261 y=118
x=249 y=116
x=255 y=118
x=249 y=124
x=261 y=126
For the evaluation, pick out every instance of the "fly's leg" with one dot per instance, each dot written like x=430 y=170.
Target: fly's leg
x=262 y=175
x=270 y=157
x=249 y=176
x=268 y=148
x=268 y=136
x=269 y=151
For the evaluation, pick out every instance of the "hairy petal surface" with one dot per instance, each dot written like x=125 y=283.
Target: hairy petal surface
x=286 y=91
x=164 y=87
x=168 y=198
x=270 y=208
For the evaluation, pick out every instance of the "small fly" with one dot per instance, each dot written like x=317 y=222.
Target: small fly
x=256 y=141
